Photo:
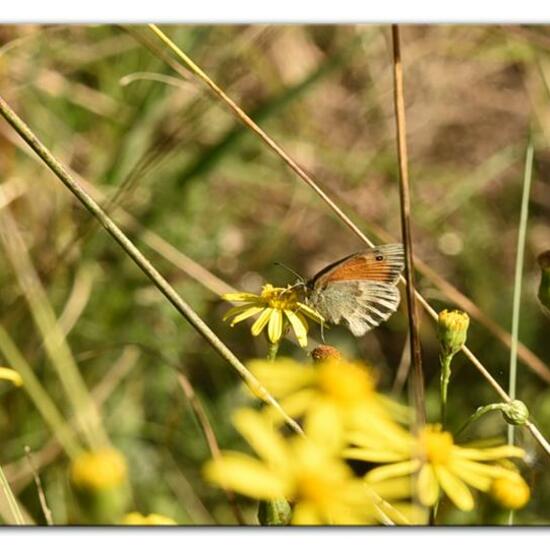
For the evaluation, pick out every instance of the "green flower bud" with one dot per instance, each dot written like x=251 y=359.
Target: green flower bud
x=544 y=287
x=515 y=412
x=274 y=512
x=452 y=329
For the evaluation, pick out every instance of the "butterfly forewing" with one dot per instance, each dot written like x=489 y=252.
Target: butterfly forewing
x=383 y=264
x=359 y=290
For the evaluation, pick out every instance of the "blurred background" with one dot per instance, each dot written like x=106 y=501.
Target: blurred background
x=213 y=208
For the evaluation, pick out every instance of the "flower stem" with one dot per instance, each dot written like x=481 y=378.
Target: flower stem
x=480 y=411
x=445 y=361
x=272 y=350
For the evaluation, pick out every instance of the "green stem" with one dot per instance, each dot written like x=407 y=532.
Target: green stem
x=445 y=361
x=272 y=350
x=518 y=277
x=480 y=412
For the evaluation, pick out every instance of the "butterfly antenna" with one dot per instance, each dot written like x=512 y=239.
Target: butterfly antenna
x=290 y=270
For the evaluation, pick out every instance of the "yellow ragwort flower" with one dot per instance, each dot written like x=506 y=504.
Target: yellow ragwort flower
x=319 y=485
x=339 y=394
x=99 y=470
x=135 y=518
x=11 y=375
x=512 y=493
x=278 y=308
x=436 y=461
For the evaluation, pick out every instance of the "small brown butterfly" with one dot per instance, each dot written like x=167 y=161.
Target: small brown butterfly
x=359 y=290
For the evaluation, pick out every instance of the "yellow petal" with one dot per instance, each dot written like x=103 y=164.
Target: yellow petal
x=311 y=313
x=372 y=455
x=275 y=327
x=299 y=326
x=493 y=453
x=242 y=297
x=455 y=489
x=282 y=377
x=399 y=469
x=324 y=425
x=428 y=489
x=305 y=513
x=266 y=441
x=246 y=475
x=488 y=470
x=393 y=489
x=234 y=310
x=249 y=311
x=295 y=405
x=11 y=375
x=461 y=469
x=261 y=321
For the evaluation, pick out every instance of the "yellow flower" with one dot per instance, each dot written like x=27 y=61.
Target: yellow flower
x=319 y=485
x=278 y=308
x=11 y=375
x=99 y=470
x=435 y=460
x=510 y=492
x=135 y=518
x=339 y=394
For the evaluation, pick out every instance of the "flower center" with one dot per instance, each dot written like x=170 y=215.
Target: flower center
x=345 y=382
x=279 y=298
x=436 y=446
x=314 y=488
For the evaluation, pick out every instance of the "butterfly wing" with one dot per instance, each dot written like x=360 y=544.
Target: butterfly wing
x=359 y=305
x=359 y=291
x=383 y=264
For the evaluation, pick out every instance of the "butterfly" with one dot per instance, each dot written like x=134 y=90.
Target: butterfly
x=358 y=291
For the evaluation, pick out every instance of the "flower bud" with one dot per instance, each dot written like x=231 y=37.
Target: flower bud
x=515 y=412
x=452 y=329
x=274 y=512
x=511 y=492
x=322 y=353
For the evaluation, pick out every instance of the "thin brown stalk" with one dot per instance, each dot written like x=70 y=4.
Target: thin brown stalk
x=40 y=490
x=417 y=375
x=209 y=436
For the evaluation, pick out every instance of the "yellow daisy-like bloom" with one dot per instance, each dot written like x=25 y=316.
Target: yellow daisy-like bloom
x=319 y=485
x=11 y=375
x=135 y=518
x=278 y=308
x=512 y=493
x=437 y=463
x=99 y=470
x=339 y=394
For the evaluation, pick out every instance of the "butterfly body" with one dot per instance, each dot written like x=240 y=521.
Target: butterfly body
x=359 y=290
